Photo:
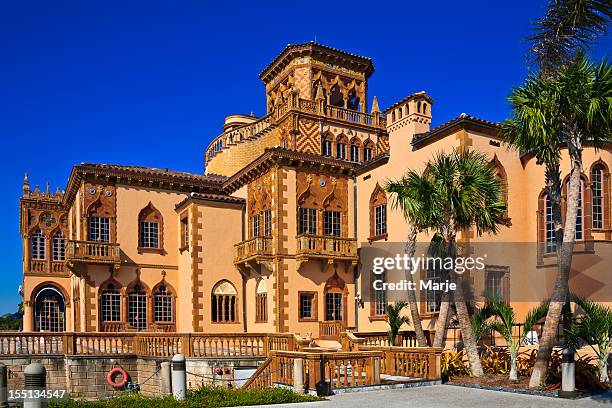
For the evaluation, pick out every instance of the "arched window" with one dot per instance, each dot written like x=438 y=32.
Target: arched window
x=261 y=302
x=335 y=96
x=500 y=175
x=150 y=227
x=580 y=214
x=597 y=189
x=355 y=147
x=224 y=302
x=110 y=304
x=326 y=145
x=38 y=244
x=59 y=246
x=549 y=226
x=341 y=142
x=378 y=213
x=419 y=107
x=162 y=307
x=407 y=109
x=399 y=113
x=137 y=308
x=393 y=116
x=424 y=108
x=368 y=151
x=50 y=309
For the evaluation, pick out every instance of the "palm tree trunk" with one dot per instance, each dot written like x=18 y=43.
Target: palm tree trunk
x=565 y=251
x=463 y=316
x=412 y=301
x=442 y=321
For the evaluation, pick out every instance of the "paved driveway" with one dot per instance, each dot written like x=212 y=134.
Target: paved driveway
x=450 y=396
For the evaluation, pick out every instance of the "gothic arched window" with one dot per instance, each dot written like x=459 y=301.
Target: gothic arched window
x=150 y=225
x=38 y=241
x=224 y=303
x=59 y=246
x=162 y=307
x=597 y=189
x=137 y=308
x=110 y=304
x=261 y=302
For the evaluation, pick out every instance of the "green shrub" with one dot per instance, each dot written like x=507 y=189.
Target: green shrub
x=203 y=398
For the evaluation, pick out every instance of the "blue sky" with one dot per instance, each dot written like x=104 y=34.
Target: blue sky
x=149 y=83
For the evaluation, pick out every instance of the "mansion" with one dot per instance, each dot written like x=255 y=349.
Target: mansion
x=269 y=239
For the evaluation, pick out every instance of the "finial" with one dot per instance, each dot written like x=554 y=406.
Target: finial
x=47 y=190
x=37 y=190
x=319 y=94
x=26 y=185
x=252 y=114
x=375 y=108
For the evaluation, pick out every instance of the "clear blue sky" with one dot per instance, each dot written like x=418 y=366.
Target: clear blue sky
x=150 y=82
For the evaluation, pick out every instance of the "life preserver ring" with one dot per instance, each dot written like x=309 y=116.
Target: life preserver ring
x=110 y=377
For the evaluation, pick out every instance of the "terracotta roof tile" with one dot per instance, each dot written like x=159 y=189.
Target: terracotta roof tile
x=463 y=118
x=151 y=171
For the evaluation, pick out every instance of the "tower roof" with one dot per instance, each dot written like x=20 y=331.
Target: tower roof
x=292 y=51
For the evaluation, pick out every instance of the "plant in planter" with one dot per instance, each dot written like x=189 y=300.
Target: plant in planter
x=504 y=320
x=396 y=320
x=595 y=328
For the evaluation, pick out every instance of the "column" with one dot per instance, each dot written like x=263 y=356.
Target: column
x=28 y=317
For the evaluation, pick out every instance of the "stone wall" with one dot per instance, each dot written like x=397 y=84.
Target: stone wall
x=85 y=376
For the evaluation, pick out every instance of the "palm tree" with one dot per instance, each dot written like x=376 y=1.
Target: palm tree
x=571 y=107
x=479 y=321
x=469 y=196
x=396 y=320
x=595 y=328
x=413 y=195
x=504 y=321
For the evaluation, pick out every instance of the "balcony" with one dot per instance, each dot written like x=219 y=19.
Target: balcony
x=326 y=248
x=258 y=249
x=93 y=252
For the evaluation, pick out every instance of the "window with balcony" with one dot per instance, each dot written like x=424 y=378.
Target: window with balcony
x=162 y=305
x=99 y=229
x=255 y=230
x=38 y=243
x=137 y=308
x=267 y=216
x=307 y=221
x=224 y=303
x=331 y=223
x=308 y=306
x=110 y=304
x=261 y=302
x=59 y=246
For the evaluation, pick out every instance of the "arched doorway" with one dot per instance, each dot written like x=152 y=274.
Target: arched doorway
x=50 y=310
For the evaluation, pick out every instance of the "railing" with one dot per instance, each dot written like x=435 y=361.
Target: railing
x=349 y=115
x=258 y=246
x=420 y=362
x=330 y=330
x=146 y=344
x=404 y=338
x=89 y=251
x=320 y=245
x=239 y=134
x=38 y=266
x=342 y=370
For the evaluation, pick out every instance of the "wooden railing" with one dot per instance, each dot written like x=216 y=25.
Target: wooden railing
x=404 y=338
x=146 y=344
x=89 y=251
x=330 y=330
x=325 y=246
x=341 y=370
x=258 y=246
x=419 y=362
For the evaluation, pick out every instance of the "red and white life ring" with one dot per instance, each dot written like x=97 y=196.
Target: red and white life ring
x=110 y=377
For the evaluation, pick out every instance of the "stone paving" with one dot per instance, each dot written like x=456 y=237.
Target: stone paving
x=441 y=396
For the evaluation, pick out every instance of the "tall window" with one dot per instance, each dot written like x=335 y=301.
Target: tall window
x=50 y=310
x=267 y=216
x=551 y=245
x=307 y=305
x=38 y=245
x=579 y=215
x=597 y=189
x=341 y=151
x=224 y=302
x=59 y=246
x=110 y=300
x=308 y=221
x=162 y=305
x=326 y=147
x=137 y=308
x=367 y=154
x=99 y=229
x=380 y=299
x=149 y=234
x=354 y=153
x=331 y=223
x=333 y=306
x=184 y=231
x=434 y=297
x=380 y=219
x=261 y=302
x=494 y=284
x=255 y=225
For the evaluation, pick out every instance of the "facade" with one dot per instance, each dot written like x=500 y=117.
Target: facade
x=269 y=238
